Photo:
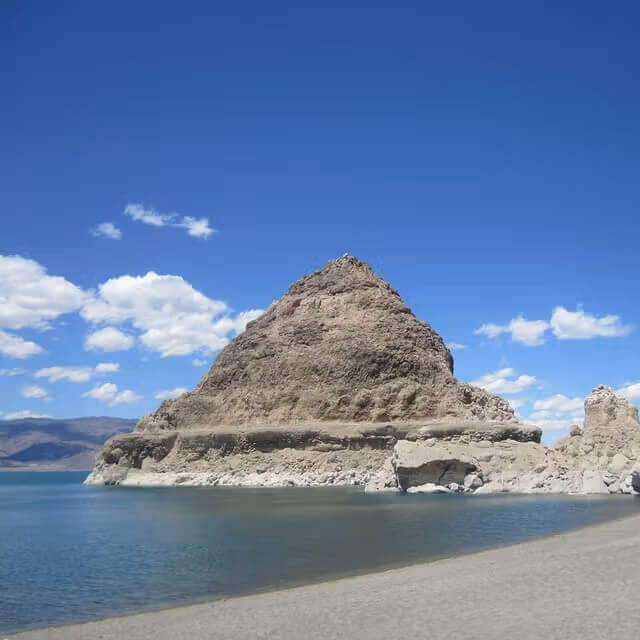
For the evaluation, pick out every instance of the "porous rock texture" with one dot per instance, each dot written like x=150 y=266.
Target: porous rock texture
x=317 y=390
x=340 y=346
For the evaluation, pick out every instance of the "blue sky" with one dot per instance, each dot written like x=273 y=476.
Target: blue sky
x=481 y=156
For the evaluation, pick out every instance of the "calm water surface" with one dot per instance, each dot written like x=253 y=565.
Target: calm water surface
x=71 y=553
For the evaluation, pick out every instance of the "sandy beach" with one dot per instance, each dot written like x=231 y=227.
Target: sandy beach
x=582 y=584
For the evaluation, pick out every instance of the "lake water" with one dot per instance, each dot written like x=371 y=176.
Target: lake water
x=73 y=553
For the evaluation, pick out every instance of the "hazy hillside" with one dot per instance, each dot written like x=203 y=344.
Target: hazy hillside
x=47 y=443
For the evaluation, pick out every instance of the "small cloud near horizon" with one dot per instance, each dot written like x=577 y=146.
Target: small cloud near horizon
x=170 y=394
x=564 y=325
x=109 y=393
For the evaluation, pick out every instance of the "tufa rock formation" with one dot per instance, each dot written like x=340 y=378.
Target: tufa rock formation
x=602 y=457
x=316 y=391
x=340 y=346
x=339 y=383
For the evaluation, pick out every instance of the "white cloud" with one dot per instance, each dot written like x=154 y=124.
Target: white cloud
x=491 y=330
x=516 y=403
x=559 y=403
x=631 y=391
x=174 y=318
x=33 y=391
x=29 y=297
x=198 y=363
x=12 y=372
x=107 y=367
x=76 y=374
x=25 y=413
x=456 y=346
x=579 y=325
x=196 y=227
x=107 y=230
x=566 y=325
x=14 y=346
x=500 y=382
x=557 y=413
x=105 y=392
x=108 y=339
x=527 y=332
x=148 y=216
x=127 y=396
x=108 y=392
x=170 y=394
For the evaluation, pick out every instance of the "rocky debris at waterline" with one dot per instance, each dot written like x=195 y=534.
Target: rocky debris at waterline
x=315 y=455
x=603 y=457
x=605 y=453
x=318 y=390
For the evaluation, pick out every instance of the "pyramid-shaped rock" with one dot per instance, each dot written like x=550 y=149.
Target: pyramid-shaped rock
x=340 y=346
x=318 y=391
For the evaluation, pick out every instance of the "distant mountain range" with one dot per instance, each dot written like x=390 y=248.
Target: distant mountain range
x=48 y=443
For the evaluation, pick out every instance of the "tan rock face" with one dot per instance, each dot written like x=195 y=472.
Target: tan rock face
x=610 y=438
x=604 y=409
x=340 y=346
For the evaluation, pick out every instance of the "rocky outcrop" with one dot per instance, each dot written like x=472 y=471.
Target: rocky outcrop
x=318 y=390
x=339 y=346
x=465 y=454
x=606 y=450
x=603 y=457
x=338 y=383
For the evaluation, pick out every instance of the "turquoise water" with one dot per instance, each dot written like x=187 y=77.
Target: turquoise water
x=72 y=553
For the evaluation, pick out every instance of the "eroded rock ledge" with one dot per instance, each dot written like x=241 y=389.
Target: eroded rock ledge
x=266 y=456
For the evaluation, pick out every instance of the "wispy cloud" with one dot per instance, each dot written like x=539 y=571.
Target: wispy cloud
x=196 y=227
x=16 y=371
x=148 y=216
x=170 y=394
x=107 y=230
x=25 y=413
x=76 y=374
x=504 y=381
x=33 y=391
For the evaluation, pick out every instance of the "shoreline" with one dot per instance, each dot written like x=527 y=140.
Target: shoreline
x=246 y=616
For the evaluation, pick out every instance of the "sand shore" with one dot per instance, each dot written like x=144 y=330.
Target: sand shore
x=582 y=584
